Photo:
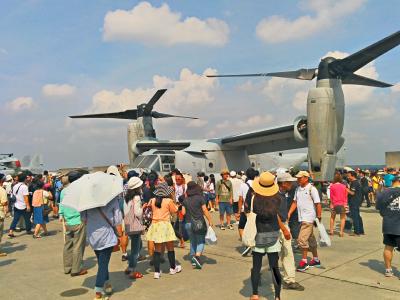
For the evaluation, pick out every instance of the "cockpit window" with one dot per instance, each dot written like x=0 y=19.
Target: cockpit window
x=146 y=162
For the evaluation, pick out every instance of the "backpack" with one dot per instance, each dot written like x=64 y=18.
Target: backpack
x=247 y=200
x=13 y=196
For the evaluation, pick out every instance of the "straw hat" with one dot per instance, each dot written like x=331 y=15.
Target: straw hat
x=224 y=171
x=134 y=183
x=163 y=190
x=265 y=185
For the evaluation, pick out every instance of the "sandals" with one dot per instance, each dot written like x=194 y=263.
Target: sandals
x=37 y=236
x=135 y=275
x=11 y=235
x=108 y=289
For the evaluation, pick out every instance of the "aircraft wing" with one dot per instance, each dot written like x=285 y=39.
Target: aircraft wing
x=266 y=140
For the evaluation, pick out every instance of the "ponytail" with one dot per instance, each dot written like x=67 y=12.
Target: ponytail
x=158 y=201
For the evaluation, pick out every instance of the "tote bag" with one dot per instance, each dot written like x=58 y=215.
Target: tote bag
x=250 y=230
x=133 y=224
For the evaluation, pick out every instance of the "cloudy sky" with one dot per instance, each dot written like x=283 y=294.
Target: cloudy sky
x=59 y=58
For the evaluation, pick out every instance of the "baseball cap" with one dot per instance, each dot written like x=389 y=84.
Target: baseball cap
x=285 y=177
x=302 y=174
x=232 y=174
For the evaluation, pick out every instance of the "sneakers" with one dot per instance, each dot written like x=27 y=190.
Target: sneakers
x=196 y=262
x=389 y=273
x=303 y=266
x=177 y=269
x=222 y=227
x=230 y=226
x=157 y=275
x=246 y=251
x=293 y=286
x=314 y=263
x=124 y=257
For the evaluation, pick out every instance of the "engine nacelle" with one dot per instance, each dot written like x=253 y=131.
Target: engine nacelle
x=135 y=133
x=322 y=132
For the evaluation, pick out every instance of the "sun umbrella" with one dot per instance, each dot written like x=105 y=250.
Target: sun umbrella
x=92 y=190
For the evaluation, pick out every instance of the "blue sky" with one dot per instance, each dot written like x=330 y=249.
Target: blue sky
x=68 y=57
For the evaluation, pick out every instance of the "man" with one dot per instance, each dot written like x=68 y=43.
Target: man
x=365 y=188
x=3 y=206
x=236 y=183
x=308 y=205
x=245 y=191
x=7 y=185
x=285 y=181
x=388 y=178
x=224 y=199
x=355 y=199
x=179 y=187
x=388 y=204
x=22 y=206
x=75 y=234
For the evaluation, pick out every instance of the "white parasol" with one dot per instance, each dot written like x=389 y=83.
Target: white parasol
x=92 y=190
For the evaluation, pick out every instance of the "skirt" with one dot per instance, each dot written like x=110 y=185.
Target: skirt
x=38 y=216
x=161 y=232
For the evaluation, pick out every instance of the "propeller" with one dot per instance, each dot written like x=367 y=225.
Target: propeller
x=143 y=110
x=331 y=68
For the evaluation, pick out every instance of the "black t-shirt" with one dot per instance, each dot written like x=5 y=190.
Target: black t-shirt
x=193 y=205
x=267 y=210
x=388 y=204
x=355 y=199
x=283 y=208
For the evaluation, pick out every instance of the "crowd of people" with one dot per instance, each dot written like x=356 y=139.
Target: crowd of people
x=169 y=210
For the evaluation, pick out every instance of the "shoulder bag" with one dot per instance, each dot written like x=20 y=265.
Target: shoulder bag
x=250 y=230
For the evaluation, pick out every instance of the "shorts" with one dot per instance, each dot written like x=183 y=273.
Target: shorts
x=392 y=240
x=274 y=248
x=242 y=220
x=235 y=207
x=339 y=209
x=225 y=207
x=306 y=239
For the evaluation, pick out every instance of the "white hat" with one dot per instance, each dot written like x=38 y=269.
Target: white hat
x=232 y=174
x=113 y=170
x=9 y=177
x=302 y=174
x=134 y=183
x=285 y=177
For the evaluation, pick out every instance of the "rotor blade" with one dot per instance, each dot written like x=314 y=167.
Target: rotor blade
x=239 y=75
x=361 y=80
x=303 y=74
x=127 y=114
x=153 y=100
x=359 y=59
x=158 y=115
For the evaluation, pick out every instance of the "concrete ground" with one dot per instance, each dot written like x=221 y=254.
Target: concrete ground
x=352 y=268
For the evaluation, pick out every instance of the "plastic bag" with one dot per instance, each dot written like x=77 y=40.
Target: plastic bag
x=324 y=239
x=211 y=237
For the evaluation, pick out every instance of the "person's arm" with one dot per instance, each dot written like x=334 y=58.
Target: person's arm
x=173 y=208
x=28 y=207
x=240 y=203
x=183 y=210
x=318 y=207
x=282 y=226
x=207 y=214
x=293 y=207
x=217 y=194
x=231 y=193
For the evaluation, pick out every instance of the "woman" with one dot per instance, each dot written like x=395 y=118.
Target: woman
x=133 y=211
x=194 y=209
x=103 y=229
x=40 y=200
x=338 y=194
x=161 y=231
x=265 y=203
x=211 y=193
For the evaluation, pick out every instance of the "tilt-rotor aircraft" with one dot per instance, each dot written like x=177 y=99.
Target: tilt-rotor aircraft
x=148 y=152
x=322 y=128
x=321 y=131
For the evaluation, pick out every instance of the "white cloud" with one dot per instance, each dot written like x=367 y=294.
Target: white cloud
x=161 y=26
x=20 y=104
x=197 y=123
x=255 y=121
x=190 y=91
x=327 y=13
x=223 y=125
x=378 y=113
x=300 y=100
x=58 y=90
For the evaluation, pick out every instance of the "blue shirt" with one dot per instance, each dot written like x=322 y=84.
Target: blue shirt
x=388 y=178
x=100 y=234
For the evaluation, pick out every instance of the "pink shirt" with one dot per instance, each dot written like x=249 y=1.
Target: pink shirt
x=338 y=194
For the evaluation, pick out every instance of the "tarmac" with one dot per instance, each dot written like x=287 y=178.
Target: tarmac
x=352 y=268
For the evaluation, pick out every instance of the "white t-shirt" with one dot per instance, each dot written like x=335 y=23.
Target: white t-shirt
x=22 y=191
x=305 y=202
x=236 y=183
x=179 y=191
x=244 y=188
